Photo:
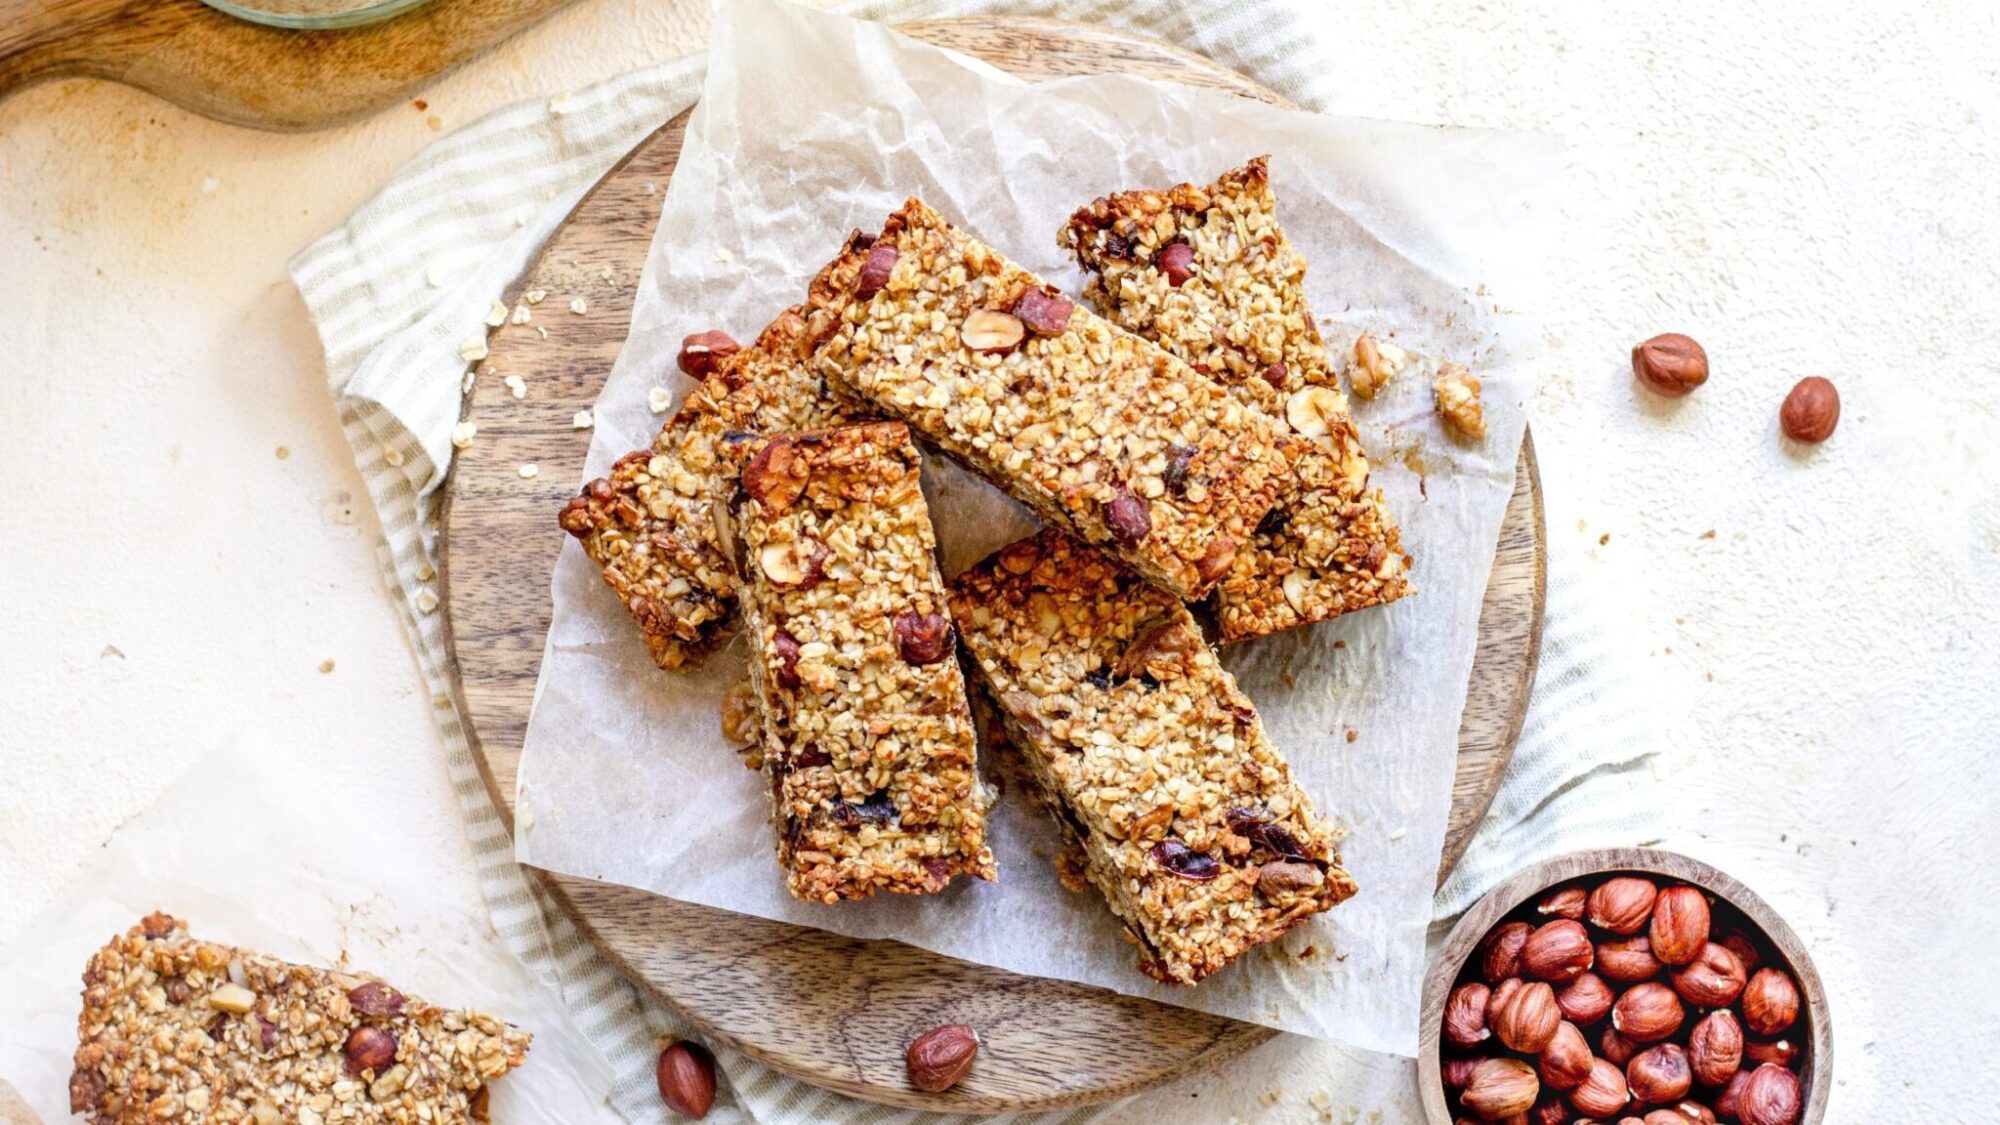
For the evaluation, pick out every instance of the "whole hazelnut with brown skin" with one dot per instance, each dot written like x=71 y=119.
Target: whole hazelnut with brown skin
x=1647 y=1013
x=1811 y=411
x=1500 y=951
x=1732 y=1090
x=938 y=1058
x=1770 y=1002
x=1585 y=1000
x=1457 y=1072
x=1671 y=364
x=1715 y=1047
x=1566 y=903
x=1680 y=925
x=1502 y=993
x=1783 y=1052
x=1714 y=979
x=1465 y=1015
x=1558 y=951
x=1659 y=1074
x=703 y=352
x=1616 y=1047
x=1665 y=1117
x=1501 y=1088
x=1739 y=943
x=1628 y=959
x=1549 y=1111
x=1695 y=1112
x=1565 y=1062
x=1527 y=1018
x=686 y=1076
x=370 y=1048
x=1603 y=1093
x=1770 y=1097
x=1622 y=904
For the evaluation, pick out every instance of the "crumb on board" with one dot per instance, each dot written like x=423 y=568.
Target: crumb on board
x=463 y=433
x=282 y=452
x=496 y=313
x=472 y=351
x=427 y=600
x=579 y=306
x=657 y=400
x=326 y=666
x=582 y=420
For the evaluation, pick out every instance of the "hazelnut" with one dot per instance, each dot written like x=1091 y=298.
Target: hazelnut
x=1671 y=364
x=1783 y=1052
x=1732 y=1092
x=1549 y=1111
x=1500 y=951
x=1043 y=313
x=1502 y=993
x=373 y=998
x=923 y=638
x=1714 y=979
x=800 y=562
x=1628 y=959
x=1616 y=1047
x=1129 y=517
x=370 y=1048
x=1647 y=1013
x=232 y=997
x=1770 y=1002
x=1665 y=1117
x=1811 y=411
x=875 y=271
x=776 y=475
x=1500 y=1088
x=1585 y=1000
x=1715 y=1047
x=1603 y=1093
x=1659 y=1074
x=703 y=352
x=992 y=332
x=686 y=1076
x=1565 y=1062
x=1695 y=1112
x=938 y=1058
x=1770 y=1097
x=1176 y=260
x=1739 y=943
x=1621 y=905
x=1680 y=925
x=1314 y=411
x=1566 y=903
x=1558 y=951
x=1465 y=1015
x=1527 y=1018
x=1457 y=1072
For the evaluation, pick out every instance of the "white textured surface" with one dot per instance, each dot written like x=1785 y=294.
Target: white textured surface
x=1806 y=190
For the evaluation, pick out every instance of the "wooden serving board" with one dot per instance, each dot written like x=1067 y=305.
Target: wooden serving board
x=832 y=1010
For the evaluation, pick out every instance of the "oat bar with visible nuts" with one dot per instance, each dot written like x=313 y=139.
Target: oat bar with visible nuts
x=865 y=731
x=1208 y=274
x=175 y=1029
x=650 y=524
x=1098 y=431
x=1190 y=822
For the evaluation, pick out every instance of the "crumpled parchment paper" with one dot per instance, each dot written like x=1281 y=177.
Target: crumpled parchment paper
x=811 y=125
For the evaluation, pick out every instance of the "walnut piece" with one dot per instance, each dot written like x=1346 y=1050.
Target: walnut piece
x=1458 y=400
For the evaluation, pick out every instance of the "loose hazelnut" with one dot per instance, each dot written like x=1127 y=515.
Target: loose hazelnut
x=1628 y=959
x=1715 y=1047
x=1616 y=1047
x=1647 y=1013
x=1457 y=1072
x=1770 y=1002
x=703 y=352
x=1714 y=979
x=1465 y=1015
x=992 y=332
x=1811 y=411
x=1621 y=905
x=1603 y=1093
x=1783 y=1052
x=1770 y=1097
x=1558 y=951
x=1566 y=903
x=1732 y=1092
x=1680 y=925
x=938 y=1058
x=1671 y=364
x=1659 y=1074
x=370 y=1048
x=686 y=1076
x=1565 y=1062
x=1527 y=1018
x=1500 y=1088
x=1500 y=951
x=1585 y=1000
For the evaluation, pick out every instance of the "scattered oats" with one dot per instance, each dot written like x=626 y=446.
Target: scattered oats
x=1320 y=1099
x=579 y=306
x=1398 y=834
x=393 y=456
x=435 y=276
x=1270 y=1097
x=536 y=296
x=472 y=351
x=528 y=470
x=722 y=254
x=516 y=386
x=326 y=666
x=283 y=452
x=461 y=434
x=427 y=601
x=606 y=274
x=425 y=572
x=657 y=400
x=521 y=314
x=496 y=313
x=559 y=104
x=465 y=384
x=543 y=331
x=582 y=420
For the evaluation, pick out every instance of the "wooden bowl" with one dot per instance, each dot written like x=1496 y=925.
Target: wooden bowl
x=1813 y=1030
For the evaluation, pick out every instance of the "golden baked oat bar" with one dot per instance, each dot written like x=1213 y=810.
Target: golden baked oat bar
x=1100 y=432
x=1190 y=822
x=1208 y=274
x=175 y=1029
x=853 y=665
x=650 y=525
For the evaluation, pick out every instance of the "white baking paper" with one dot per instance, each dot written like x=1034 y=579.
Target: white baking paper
x=811 y=125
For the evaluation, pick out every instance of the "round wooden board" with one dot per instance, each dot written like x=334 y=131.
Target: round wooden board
x=833 y=1010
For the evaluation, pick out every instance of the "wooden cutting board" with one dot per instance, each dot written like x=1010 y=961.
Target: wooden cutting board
x=832 y=1010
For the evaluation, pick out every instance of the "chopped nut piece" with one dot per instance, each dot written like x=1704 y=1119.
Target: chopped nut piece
x=1315 y=411
x=992 y=332
x=1458 y=400
x=232 y=998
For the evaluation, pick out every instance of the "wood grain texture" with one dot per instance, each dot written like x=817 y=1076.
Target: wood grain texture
x=1815 y=1028
x=232 y=70
x=833 y=1010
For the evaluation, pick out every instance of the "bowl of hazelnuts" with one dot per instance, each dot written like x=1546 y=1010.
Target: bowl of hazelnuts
x=1624 y=987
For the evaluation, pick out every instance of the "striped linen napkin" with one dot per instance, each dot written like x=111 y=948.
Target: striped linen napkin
x=410 y=275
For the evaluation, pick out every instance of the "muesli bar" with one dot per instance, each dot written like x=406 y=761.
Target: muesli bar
x=853 y=665
x=1100 y=432
x=650 y=524
x=175 y=1029
x=1208 y=274
x=1190 y=822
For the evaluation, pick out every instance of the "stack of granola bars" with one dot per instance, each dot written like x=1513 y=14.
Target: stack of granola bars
x=1188 y=447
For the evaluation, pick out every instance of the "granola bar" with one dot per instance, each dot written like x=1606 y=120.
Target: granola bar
x=1190 y=822
x=175 y=1029
x=1100 y=432
x=650 y=525
x=1208 y=274
x=865 y=732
